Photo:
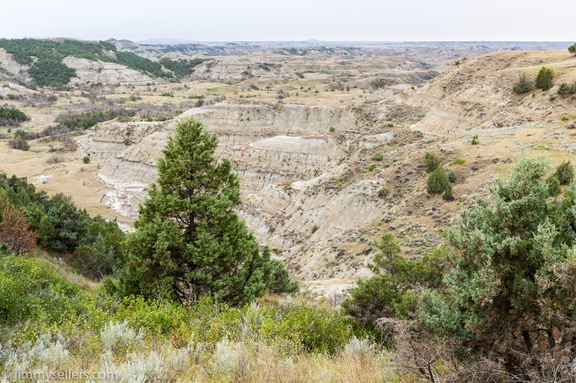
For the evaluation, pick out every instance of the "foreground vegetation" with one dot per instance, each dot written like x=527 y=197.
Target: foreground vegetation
x=54 y=320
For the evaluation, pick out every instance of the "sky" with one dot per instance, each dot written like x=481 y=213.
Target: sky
x=294 y=20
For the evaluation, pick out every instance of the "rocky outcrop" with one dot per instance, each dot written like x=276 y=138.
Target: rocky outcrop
x=296 y=164
x=104 y=72
x=8 y=63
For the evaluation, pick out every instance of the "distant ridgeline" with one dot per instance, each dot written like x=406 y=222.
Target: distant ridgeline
x=47 y=69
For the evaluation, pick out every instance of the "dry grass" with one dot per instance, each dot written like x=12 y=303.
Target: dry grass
x=135 y=359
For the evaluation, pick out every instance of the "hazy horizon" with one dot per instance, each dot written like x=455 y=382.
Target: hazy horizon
x=298 y=20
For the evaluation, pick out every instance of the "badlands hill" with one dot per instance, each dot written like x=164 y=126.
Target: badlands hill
x=320 y=183
x=329 y=157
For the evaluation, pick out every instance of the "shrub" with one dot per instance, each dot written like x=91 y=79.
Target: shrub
x=15 y=228
x=86 y=159
x=565 y=173
x=437 y=181
x=475 y=140
x=332 y=129
x=545 y=78
x=391 y=292
x=383 y=192
x=31 y=290
x=432 y=162
x=447 y=196
x=10 y=116
x=553 y=186
x=523 y=85
x=378 y=156
x=90 y=262
x=572 y=48
x=564 y=89
x=117 y=335
x=157 y=317
x=458 y=161
x=313 y=329
x=452 y=176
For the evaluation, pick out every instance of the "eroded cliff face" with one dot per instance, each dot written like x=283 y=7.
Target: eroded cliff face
x=306 y=190
x=104 y=72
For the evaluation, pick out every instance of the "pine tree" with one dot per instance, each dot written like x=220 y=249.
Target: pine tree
x=189 y=240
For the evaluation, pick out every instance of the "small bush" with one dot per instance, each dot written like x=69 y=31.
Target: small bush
x=475 y=141
x=452 y=176
x=564 y=89
x=572 y=48
x=545 y=79
x=155 y=316
x=458 y=161
x=383 y=192
x=117 y=335
x=437 y=181
x=313 y=329
x=523 y=85
x=432 y=162
x=332 y=129
x=55 y=159
x=86 y=159
x=378 y=157
x=447 y=196
x=19 y=143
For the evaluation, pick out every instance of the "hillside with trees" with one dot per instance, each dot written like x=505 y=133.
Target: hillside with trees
x=43 y=58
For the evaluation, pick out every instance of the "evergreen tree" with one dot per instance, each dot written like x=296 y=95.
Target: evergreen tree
x=189 y=241
x=565 y=173
x=432 y=162
x=545 y=79
x=512 y=290
x=437 y=181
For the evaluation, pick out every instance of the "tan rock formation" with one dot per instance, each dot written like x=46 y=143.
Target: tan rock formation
x=104 y=72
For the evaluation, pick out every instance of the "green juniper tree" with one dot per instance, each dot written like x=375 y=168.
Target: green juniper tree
x=189 y=241
x=437 y=181
x=511 y=294
x=565 y=173
x=545 y=78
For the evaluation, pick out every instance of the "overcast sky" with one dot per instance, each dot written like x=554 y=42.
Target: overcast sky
x=294 y=20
